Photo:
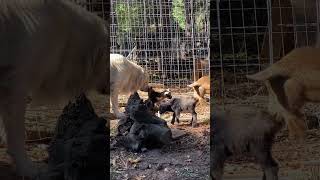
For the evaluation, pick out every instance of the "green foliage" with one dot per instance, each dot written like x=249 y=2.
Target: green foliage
x=127 y=15
x=200 y=19
x=200 y=14
x=178 y=13
x=130 y=14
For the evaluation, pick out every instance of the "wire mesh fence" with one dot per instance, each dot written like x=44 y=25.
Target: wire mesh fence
x=250 y=35
x=171 y=38
x=99 y=7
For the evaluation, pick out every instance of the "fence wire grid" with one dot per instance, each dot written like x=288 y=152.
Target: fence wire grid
x=171 y=38
x=250 y=35
x=99 y=7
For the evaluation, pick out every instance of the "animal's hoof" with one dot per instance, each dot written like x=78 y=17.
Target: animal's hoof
x=172 y=122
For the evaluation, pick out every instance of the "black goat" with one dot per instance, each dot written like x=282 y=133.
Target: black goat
x=155 y=97
x=243 y=129
x=180 y=104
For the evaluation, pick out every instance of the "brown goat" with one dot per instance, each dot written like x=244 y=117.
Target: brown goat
x=201 y=87
x=291 y=82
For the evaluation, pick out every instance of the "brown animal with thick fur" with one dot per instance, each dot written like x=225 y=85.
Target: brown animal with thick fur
x=291 y=82
x=201 y=87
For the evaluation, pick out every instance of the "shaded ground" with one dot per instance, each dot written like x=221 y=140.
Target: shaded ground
x=293 y=156
x=40 y=122
x=186 y=158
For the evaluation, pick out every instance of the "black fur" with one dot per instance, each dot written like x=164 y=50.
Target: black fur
x=239 y=130
x=178 y=105
x=155 y=97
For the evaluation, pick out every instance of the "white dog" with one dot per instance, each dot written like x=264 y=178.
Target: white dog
x=126 y=77
x=52 y=50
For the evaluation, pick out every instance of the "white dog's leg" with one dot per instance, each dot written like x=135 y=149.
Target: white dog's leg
x=115 y=106
x=13 y=118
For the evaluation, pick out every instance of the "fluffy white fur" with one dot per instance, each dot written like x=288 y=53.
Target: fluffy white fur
x=52 y=50
x=126 y=77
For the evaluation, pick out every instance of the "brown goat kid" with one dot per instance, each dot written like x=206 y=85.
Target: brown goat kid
x=291 y=82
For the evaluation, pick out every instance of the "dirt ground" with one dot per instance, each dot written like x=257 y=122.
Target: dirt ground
x=40 y=123
x=185 y=158
x=297 y=159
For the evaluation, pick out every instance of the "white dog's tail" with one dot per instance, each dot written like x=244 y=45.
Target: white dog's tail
x=3 y=137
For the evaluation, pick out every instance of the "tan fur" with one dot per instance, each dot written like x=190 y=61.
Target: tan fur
x=201 y=87
x=126 y=77
x=52 y=50
x=293 y=80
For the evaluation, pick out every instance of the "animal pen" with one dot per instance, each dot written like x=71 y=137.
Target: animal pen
x=247 y=36
x=171 y=38
x=40 y=121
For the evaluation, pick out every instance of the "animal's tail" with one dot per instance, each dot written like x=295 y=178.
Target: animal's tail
x=267 y=74
x=195 y=84
x=2 y=132
x=196 y=95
